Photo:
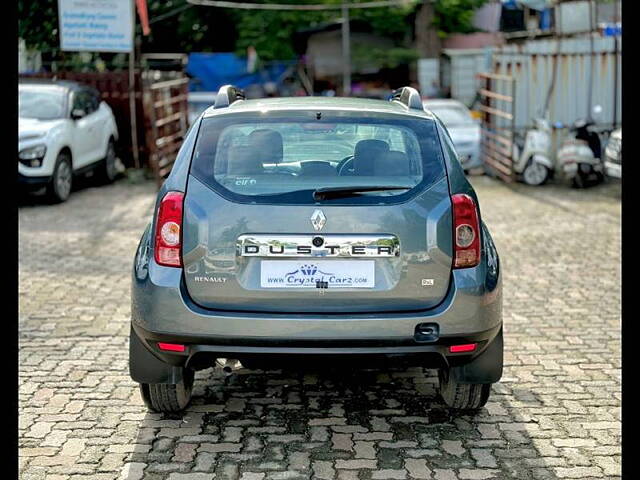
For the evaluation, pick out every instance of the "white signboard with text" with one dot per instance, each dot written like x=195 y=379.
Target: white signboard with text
x=96 y=25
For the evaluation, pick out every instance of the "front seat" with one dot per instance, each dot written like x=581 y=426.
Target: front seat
x=242 y=160
x=393 y=164
x=266 y=145
x=365 y=155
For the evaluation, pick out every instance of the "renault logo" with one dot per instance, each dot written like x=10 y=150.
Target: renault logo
x=318 y=219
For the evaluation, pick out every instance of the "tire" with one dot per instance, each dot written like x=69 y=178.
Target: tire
x=61 y=183
x=580 y=180
x=535 y=173
x=107 y=171
x=165 y=397
x=461 y=396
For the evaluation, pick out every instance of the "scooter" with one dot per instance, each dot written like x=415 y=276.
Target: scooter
x=531 y=157
x=580 y=156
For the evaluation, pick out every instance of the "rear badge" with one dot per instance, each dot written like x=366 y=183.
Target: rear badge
x=318 y=220
x=427 y=282
x=210 y=279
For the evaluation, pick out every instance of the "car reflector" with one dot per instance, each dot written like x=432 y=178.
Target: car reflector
x=171 y=347
x=467 y=347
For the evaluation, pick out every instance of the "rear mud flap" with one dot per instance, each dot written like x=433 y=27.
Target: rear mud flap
x=145 y=367
x=485 y=368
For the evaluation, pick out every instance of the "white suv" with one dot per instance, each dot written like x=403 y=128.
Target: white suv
x=64 y=129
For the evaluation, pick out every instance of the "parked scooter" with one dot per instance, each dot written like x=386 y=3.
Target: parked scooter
x=531 y=158
x=580 y=155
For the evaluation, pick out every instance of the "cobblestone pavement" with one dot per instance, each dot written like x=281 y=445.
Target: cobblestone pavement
x=555 y=414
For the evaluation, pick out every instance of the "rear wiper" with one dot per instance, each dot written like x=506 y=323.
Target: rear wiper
x=336 y=192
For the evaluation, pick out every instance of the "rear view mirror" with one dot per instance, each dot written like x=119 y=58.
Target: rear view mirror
x=78 y=113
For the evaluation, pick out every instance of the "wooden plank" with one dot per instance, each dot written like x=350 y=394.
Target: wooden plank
x=497 y=165
x=169 y=83
x=499 y=96
x=170 y=101
x=498 y=148
x=493 y=111
x=507 y=161
x=507 y=142
x=496 y=76
x=492 y=148
x=160 y=142
x=171 y=118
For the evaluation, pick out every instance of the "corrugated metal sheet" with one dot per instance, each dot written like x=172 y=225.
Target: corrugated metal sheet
x=459 y=69
x=531 y=63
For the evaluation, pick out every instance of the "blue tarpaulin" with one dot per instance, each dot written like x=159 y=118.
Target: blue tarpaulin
x=210 y=71
x=534 y=4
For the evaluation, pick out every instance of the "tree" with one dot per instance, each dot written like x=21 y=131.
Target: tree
x=190 y=28
x=435 y=19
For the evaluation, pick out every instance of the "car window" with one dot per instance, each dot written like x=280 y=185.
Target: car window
x=94 y=99
x=286 y=159
x=82 y=100
x=41 y=103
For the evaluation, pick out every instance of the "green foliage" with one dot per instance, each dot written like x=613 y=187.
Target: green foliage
x=203 y=29
x=271 y=32
x=383 y=57
x=455 y=16
x=38 y=24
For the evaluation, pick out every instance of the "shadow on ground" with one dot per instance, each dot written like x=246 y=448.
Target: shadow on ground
x=330 y=423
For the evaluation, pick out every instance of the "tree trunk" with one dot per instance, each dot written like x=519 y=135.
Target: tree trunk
x=427 y=40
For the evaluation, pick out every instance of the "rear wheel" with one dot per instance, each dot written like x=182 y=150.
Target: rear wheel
x=164 y=397
x=462 y=396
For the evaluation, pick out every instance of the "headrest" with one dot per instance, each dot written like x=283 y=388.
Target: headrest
x=267 y=145
x=365 y=154
x=243 y=160
x=392 y=163
x=316 y=168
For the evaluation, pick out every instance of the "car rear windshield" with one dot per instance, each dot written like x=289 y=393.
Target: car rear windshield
x=286 y=157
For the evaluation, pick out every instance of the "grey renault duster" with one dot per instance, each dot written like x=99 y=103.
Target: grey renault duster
x=299 y=228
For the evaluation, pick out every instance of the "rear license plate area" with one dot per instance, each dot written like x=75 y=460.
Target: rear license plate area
x=308 y=273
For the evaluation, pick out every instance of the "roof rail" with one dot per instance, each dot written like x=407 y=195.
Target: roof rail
x=227 y=95
x=408 y=96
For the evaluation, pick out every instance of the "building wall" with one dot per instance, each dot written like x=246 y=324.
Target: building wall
x=324 y=50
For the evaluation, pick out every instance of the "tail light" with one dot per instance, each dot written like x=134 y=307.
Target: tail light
x=466 y=232
x=168 y=238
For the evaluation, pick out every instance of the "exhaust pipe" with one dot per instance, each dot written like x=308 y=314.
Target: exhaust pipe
x=227 y=365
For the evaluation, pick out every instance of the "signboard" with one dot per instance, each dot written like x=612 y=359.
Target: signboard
x=96 y=25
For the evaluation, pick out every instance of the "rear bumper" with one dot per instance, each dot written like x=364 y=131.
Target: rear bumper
x=150 y=364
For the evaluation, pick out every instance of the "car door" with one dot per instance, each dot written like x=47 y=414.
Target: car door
x=87 y=136
x=101 y=118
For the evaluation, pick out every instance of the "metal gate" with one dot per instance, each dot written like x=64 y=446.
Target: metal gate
x=498 y=108
x=166 y=121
